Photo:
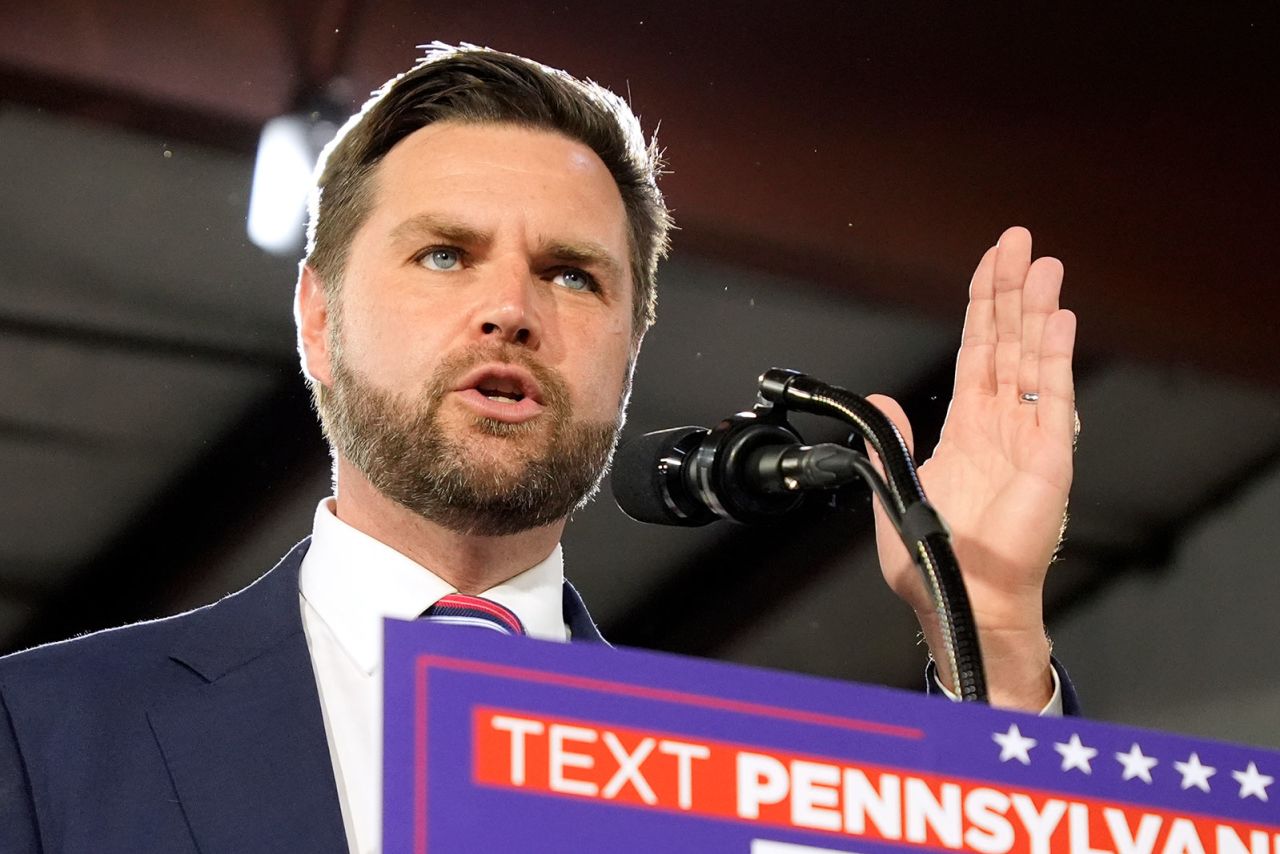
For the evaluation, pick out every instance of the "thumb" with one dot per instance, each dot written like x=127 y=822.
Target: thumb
x=893 y=555
x=898 y=416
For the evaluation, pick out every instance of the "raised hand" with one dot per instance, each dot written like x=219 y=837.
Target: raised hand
x=1002 y=468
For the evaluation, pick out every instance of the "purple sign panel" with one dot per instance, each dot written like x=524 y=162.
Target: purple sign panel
x=500 y=744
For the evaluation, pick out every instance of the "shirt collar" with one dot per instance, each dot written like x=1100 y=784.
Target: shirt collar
x=353 y=581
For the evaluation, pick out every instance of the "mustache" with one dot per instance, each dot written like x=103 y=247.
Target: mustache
x=445 y=377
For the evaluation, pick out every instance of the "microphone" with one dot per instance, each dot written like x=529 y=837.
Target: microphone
x=746 y=469
x=753 y=466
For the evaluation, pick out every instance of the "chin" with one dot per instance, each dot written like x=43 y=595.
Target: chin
x=505 y=429
x=501 y=447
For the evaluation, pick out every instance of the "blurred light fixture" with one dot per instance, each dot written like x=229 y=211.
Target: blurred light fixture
x=288 y=150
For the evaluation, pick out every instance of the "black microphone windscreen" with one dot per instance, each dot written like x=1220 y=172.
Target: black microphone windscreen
x=638 y=478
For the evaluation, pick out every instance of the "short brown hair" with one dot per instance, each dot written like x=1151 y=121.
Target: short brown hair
x=478 y=85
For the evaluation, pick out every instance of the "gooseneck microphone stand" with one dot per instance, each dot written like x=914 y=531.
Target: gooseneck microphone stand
x=921 y=529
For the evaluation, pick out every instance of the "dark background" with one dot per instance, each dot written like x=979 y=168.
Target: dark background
x=836 y=171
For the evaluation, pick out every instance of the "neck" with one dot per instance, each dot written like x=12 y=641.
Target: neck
x=470 y=562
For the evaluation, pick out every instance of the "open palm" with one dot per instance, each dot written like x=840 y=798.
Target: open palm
x=1002 y=468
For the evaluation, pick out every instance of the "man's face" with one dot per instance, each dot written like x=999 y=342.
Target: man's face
x=479 y=370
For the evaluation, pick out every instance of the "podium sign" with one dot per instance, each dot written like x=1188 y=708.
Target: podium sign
x=500 y=744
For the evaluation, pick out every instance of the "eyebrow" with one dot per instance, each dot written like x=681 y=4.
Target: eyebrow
x=420 y=225
x=587 y=254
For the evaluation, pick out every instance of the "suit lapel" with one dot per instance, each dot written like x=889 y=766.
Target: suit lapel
x=247 y=750
x=581 y=626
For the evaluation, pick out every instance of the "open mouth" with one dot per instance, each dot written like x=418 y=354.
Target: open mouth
x=501 y=392
x=506 y=385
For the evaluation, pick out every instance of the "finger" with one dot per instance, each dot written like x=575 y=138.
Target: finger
x=1056 y=410
x=1013 y=258
x=1039 y=300
x=975 y=364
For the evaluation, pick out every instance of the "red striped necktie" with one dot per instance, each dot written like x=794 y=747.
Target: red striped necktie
x=462 y=610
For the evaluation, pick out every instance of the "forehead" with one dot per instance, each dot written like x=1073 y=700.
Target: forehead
x=502 y=174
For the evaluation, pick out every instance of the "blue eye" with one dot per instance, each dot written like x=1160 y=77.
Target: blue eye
x=442 y=258
x=574 y=280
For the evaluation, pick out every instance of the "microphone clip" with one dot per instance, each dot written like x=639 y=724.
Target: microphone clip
x=721 y=477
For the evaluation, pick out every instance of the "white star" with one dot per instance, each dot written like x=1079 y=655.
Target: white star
x=1136 y=764
x=1014 y=745
x=1195 y=774
x=1252 y=782
x=1075 y=755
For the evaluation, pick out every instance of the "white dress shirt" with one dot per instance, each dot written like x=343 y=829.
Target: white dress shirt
x=349 y=582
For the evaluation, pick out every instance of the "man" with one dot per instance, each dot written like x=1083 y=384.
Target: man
x=479 y=279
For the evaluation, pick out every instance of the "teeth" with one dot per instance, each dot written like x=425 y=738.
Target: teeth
x=500 y=390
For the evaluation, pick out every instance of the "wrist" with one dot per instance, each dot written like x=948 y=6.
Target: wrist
x=1015 y=661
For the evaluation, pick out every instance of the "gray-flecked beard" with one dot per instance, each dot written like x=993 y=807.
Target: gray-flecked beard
x=553 y=464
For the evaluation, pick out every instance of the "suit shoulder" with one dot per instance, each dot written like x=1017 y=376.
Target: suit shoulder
x=118 y=658
x=111 y=655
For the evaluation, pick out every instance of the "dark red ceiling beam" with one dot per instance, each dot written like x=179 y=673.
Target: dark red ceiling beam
x=876 y=151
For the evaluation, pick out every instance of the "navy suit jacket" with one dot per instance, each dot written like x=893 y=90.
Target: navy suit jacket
x=198 y=733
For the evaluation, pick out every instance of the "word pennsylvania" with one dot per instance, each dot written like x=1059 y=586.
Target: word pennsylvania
x=719 y=780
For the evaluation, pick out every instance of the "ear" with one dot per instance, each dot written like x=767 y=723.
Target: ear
x=311 y=312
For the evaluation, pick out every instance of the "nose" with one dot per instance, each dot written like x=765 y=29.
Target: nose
x=510 y=311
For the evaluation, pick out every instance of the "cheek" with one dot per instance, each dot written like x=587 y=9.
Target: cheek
x=605 y=379
x=394 y=350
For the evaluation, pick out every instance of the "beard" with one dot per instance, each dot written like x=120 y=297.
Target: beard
x=544 y=470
